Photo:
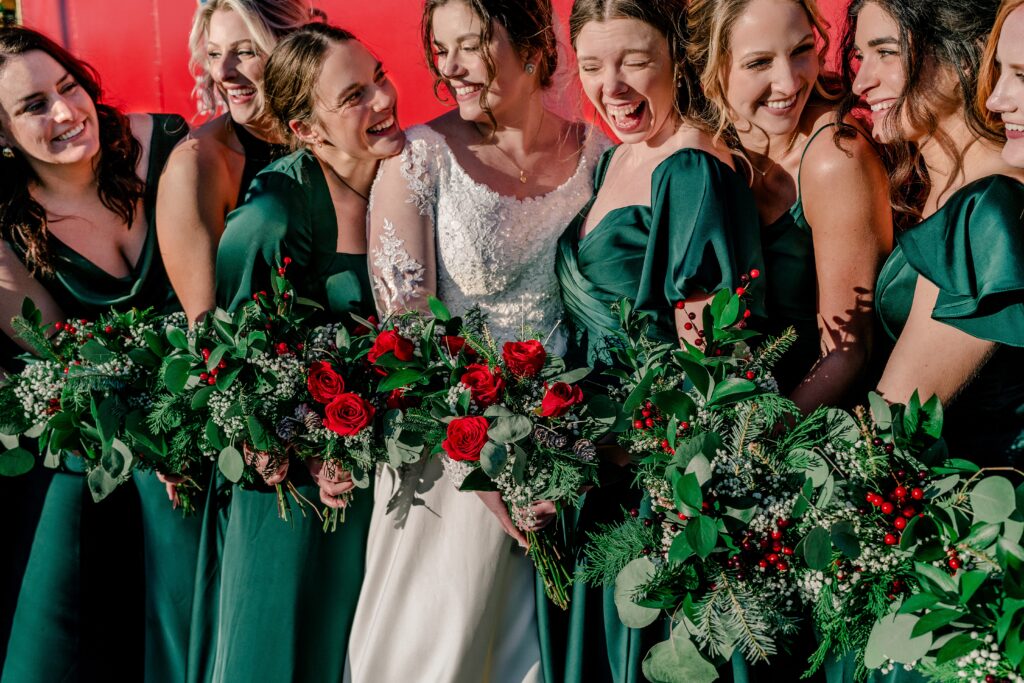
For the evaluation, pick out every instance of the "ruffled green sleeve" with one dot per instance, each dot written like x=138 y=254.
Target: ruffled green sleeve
x=973 y=251
x=704 y=232
x=273 y=222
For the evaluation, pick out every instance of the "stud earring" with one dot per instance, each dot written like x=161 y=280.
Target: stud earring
x=8 y=153
x=530 y=68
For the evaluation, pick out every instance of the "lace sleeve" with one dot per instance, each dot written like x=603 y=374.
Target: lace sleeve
x=401 y=222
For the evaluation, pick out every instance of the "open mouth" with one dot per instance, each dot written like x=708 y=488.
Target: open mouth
x=240 y=94
x=781 y=106
x=465 y=92
x=71 y=134
x=1014 y=131
x=384 y=128
x=627 y=117
x=882 y=105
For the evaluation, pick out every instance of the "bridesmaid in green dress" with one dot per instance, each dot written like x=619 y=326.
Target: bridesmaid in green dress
x=80 y=612
x=820 y=186
x=289 y=591
x=206 y=177
x=951 y=295
x=665 y=244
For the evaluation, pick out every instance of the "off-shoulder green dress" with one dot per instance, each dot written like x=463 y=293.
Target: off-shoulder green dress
x=972 y=249
x=288 y=591
x=699 y=234
x=108 y=588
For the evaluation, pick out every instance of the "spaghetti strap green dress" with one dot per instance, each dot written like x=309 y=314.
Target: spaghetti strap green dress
x=972 y=249
x=288 y=591
x=107 y=592
x=700 y=233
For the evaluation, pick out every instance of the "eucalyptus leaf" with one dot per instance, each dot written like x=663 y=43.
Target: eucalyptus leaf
x=891 y=639
x=231 y=464
x=629 y=580
x=817 y=548
x=100 y=483
x=844 y=537
x=510 y=429
x=572 y=376
x=993 y=500
x=493 y=458
x=881 y=413
x=677 y=660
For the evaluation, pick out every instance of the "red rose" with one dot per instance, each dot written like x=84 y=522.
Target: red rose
x=347 y=414
x=484 y=386
x=397 y=400
x=559 y=398
x=323 y=382
x=466 y=438
x=389 y=340
x=452 y=344
x=524 y=359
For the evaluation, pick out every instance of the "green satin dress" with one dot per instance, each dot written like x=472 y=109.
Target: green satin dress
x=288 y=591
x=700 y=233
x=107 y=593
x=972 y=249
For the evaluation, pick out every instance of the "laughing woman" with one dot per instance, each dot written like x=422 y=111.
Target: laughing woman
x=671 y=223
x=821 y=189
x=288 y=590
x=951 y=295
x=78 y=209
x=1001 y=84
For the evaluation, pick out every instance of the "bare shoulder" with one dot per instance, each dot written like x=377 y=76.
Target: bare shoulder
x=451 y=126
x=689 y=137
x=846 y=157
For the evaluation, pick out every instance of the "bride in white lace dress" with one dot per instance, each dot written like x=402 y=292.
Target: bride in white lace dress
x=471 y=211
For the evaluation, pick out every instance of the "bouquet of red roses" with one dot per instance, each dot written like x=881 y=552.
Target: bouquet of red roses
x=513 y=418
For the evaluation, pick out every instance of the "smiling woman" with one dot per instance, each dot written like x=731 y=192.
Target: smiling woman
x=1001 y=84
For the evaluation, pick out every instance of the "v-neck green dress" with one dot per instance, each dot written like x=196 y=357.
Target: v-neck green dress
x=700 y=233
x=108 y=588
x=288 y=590
x=972 y=249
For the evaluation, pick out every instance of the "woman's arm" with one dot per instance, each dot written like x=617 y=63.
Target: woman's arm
x=192 y=202
x=932 y=357
x=846 y=201
x=15 y=286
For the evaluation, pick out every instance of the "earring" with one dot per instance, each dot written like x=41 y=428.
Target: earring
x=8 y=153
x=530 y=68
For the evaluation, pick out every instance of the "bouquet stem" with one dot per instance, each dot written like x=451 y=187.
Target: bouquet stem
x=335 y=516
x=283 y=506
x=551 y=563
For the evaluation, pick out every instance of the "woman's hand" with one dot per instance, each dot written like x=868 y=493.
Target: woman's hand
x=170 y=482
x=273 y=473
x=334 y=483
x=544 y=512
x=494 y=503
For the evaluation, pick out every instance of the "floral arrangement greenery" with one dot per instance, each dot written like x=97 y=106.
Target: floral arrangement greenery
x=83 y=389
x=510 y=418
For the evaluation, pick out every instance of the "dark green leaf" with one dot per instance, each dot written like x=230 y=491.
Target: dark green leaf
x=880 y=411
x=94 y=352
x=957 y=647
x=687 y=492
x=730 y=390
x=438 y=308
x=510 y=429
x=493 y=458
x=477 y=480
x=702 y=533
x=818 y=548
x=176 y=374
x=680 y=550
x=937 y=618
x=639 y=393
x=258 y=436
x=202 y=397
x=399 y=379
x=675 y=403
x=15 y=462
x=845 y=539
x=177 y=338
x=572 y=376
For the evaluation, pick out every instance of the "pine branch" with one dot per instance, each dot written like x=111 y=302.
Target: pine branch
x=612 y=547
x=773 y=349
x=36 y=338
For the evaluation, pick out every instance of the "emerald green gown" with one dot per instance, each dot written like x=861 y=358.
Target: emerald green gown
x=700 y=233
x=288 y=591
x=972 y=249
x=107 y=593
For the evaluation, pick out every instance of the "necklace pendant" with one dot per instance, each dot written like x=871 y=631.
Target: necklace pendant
x=522 y=176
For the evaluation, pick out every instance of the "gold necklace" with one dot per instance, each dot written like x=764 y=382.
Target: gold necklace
x=773 y=164
x=522 y=171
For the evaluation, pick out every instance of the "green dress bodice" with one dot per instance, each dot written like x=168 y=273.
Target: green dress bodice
x=288 y=212
x=700 y=233
x=972 y=249
x=315 y=577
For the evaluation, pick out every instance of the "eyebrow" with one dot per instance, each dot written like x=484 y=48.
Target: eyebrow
x=210 y=43
x=885 y=40
x=625 y=53
x=343 y=95
x=756 y=53
x=32 y=96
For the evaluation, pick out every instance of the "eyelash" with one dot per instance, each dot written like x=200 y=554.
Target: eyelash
x=761 y=64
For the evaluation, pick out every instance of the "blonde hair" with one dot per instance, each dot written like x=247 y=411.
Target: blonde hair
x=988 y=74
x=709 y=24
x=266 y=20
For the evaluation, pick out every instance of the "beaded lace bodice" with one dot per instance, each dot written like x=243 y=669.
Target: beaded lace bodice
x=490 y=250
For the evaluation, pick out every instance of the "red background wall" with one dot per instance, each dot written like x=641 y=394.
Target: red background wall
x=140 y=46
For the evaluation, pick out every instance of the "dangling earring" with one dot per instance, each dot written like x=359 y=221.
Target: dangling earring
x=530 y=68
x=8 y=153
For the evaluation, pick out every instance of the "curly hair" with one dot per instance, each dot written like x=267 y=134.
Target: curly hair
x=529 y=24
x=267 y=20
x=22 y=219
x=668 y=17
x=944 y=34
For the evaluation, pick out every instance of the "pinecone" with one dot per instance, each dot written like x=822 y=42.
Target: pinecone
x=548 y=438
x=585 y=450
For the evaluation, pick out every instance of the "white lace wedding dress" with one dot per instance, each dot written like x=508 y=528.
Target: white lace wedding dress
x=448 y=597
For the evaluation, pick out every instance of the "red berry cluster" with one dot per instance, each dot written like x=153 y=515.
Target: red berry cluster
x=953 y=559
x=211 y=376
x=767 y=552
x=898 y=503
x=650 y=416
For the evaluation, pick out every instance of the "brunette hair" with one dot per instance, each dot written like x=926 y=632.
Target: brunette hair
x=289 y=81
x=22 y=218
x=668 y=17
x=267 y=20
x=709 y=24
x=529 y=24
x=941 y=33
x=988 y=74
